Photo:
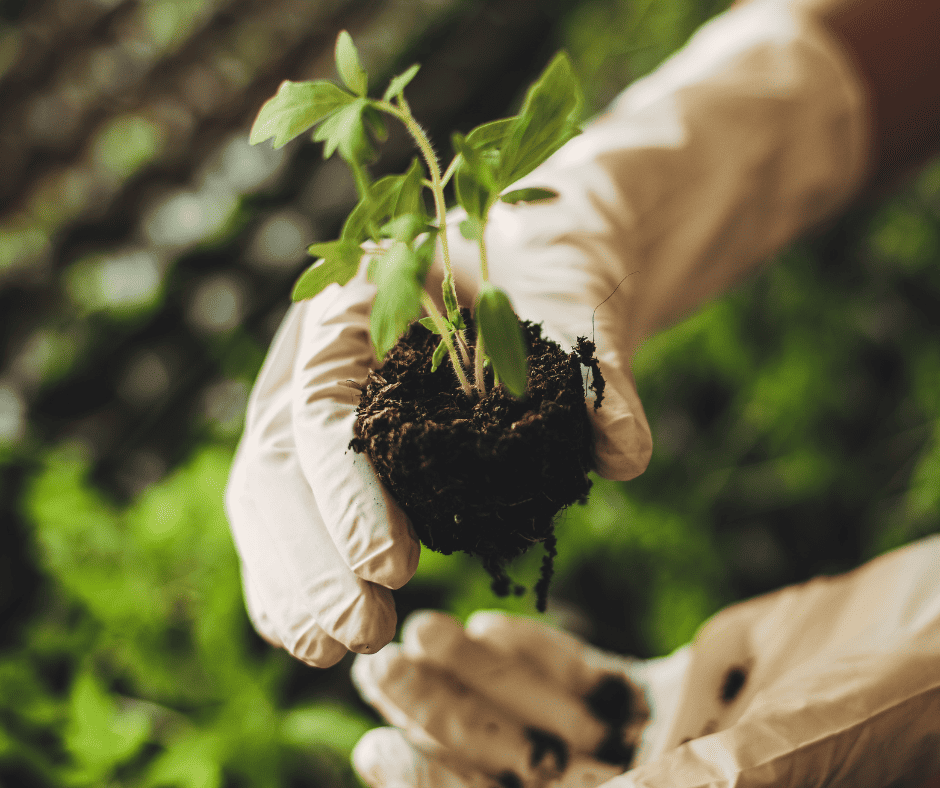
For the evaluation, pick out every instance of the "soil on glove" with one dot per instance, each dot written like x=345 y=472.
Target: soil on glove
x=482 y=475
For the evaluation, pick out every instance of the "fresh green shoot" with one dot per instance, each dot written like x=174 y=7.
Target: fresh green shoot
x=392 y=213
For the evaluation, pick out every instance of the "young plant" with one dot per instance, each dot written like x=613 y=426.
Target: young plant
x=391 y=210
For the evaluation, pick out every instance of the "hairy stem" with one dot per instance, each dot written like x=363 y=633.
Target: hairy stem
x=441 y=326
x=463 y=347
x=484 y=262
x=403 y=113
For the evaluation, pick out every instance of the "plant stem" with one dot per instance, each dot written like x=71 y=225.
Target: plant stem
x=478 y=371
x=403 y=113
x=484 y=263
x=451 y=169
x=479 y=380
x=463 y=346
x=441 y=326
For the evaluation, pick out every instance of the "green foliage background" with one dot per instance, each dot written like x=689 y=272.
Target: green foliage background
x=797 y=432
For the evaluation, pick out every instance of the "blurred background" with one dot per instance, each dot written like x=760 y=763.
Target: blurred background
x=146 y=256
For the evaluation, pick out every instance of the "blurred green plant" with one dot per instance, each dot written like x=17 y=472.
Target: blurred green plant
x=141 y=669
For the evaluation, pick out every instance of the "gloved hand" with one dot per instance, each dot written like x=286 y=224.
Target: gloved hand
x=508 y=698
x=321 y=540
x=752 y=133
x=832 y=682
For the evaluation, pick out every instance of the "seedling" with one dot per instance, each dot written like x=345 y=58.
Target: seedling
x=391 y=212
x=485 y=465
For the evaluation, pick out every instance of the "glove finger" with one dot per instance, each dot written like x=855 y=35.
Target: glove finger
x=384 y=758
x=559 y=656
x=437 y=712
x=623 y=442
x=303 y=583
x=272 y=610
x=286 y=621
x=532 y=697
x=647 y=701
x=297 y=565
x=261 y=621
x=611 y=687
x=370 y=531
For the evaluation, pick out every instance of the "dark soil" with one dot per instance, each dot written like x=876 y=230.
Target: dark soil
x=482 y=475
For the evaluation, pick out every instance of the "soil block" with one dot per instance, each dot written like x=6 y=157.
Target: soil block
x=485 y=475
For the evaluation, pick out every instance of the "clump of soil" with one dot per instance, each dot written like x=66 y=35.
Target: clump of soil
x=485 y=475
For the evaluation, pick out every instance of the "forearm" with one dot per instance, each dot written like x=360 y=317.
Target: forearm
x=750 y=136
x=895 y=47
x=785 y=137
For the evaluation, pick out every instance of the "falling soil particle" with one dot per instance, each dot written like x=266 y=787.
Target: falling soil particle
x=611 y=701
x=485 y=475
x=734 y=681
x=509 y=779
x=543 y=742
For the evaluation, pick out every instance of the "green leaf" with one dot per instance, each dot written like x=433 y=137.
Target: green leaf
x=430 y=325
x=440 y=353
x=98 y=733
x=502 y=338
x=406 y=227
x=450 y=303
x=345 y=131
x=375 y=122
x=489 y=135
x=349 y=66
x=388 y=197
x=399 y=279
x=408 y=197
x=471 y=228
x=325 y=724
x=425 y=255
x=529 y=195
x=340 y=260
x=191 y=761
x=399 y=83
x=547 y=121
x=475 y=181
x=296 y=107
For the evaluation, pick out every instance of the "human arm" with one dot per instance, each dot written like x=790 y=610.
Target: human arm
x=831 y=682
x=894 y=47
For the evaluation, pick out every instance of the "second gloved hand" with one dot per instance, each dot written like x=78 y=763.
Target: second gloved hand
x=831 y=682
x=507 y=699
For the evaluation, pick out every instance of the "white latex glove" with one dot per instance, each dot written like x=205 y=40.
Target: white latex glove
x=320 y=539
x=506 y=695
x=832 y=682
x=751 y=134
